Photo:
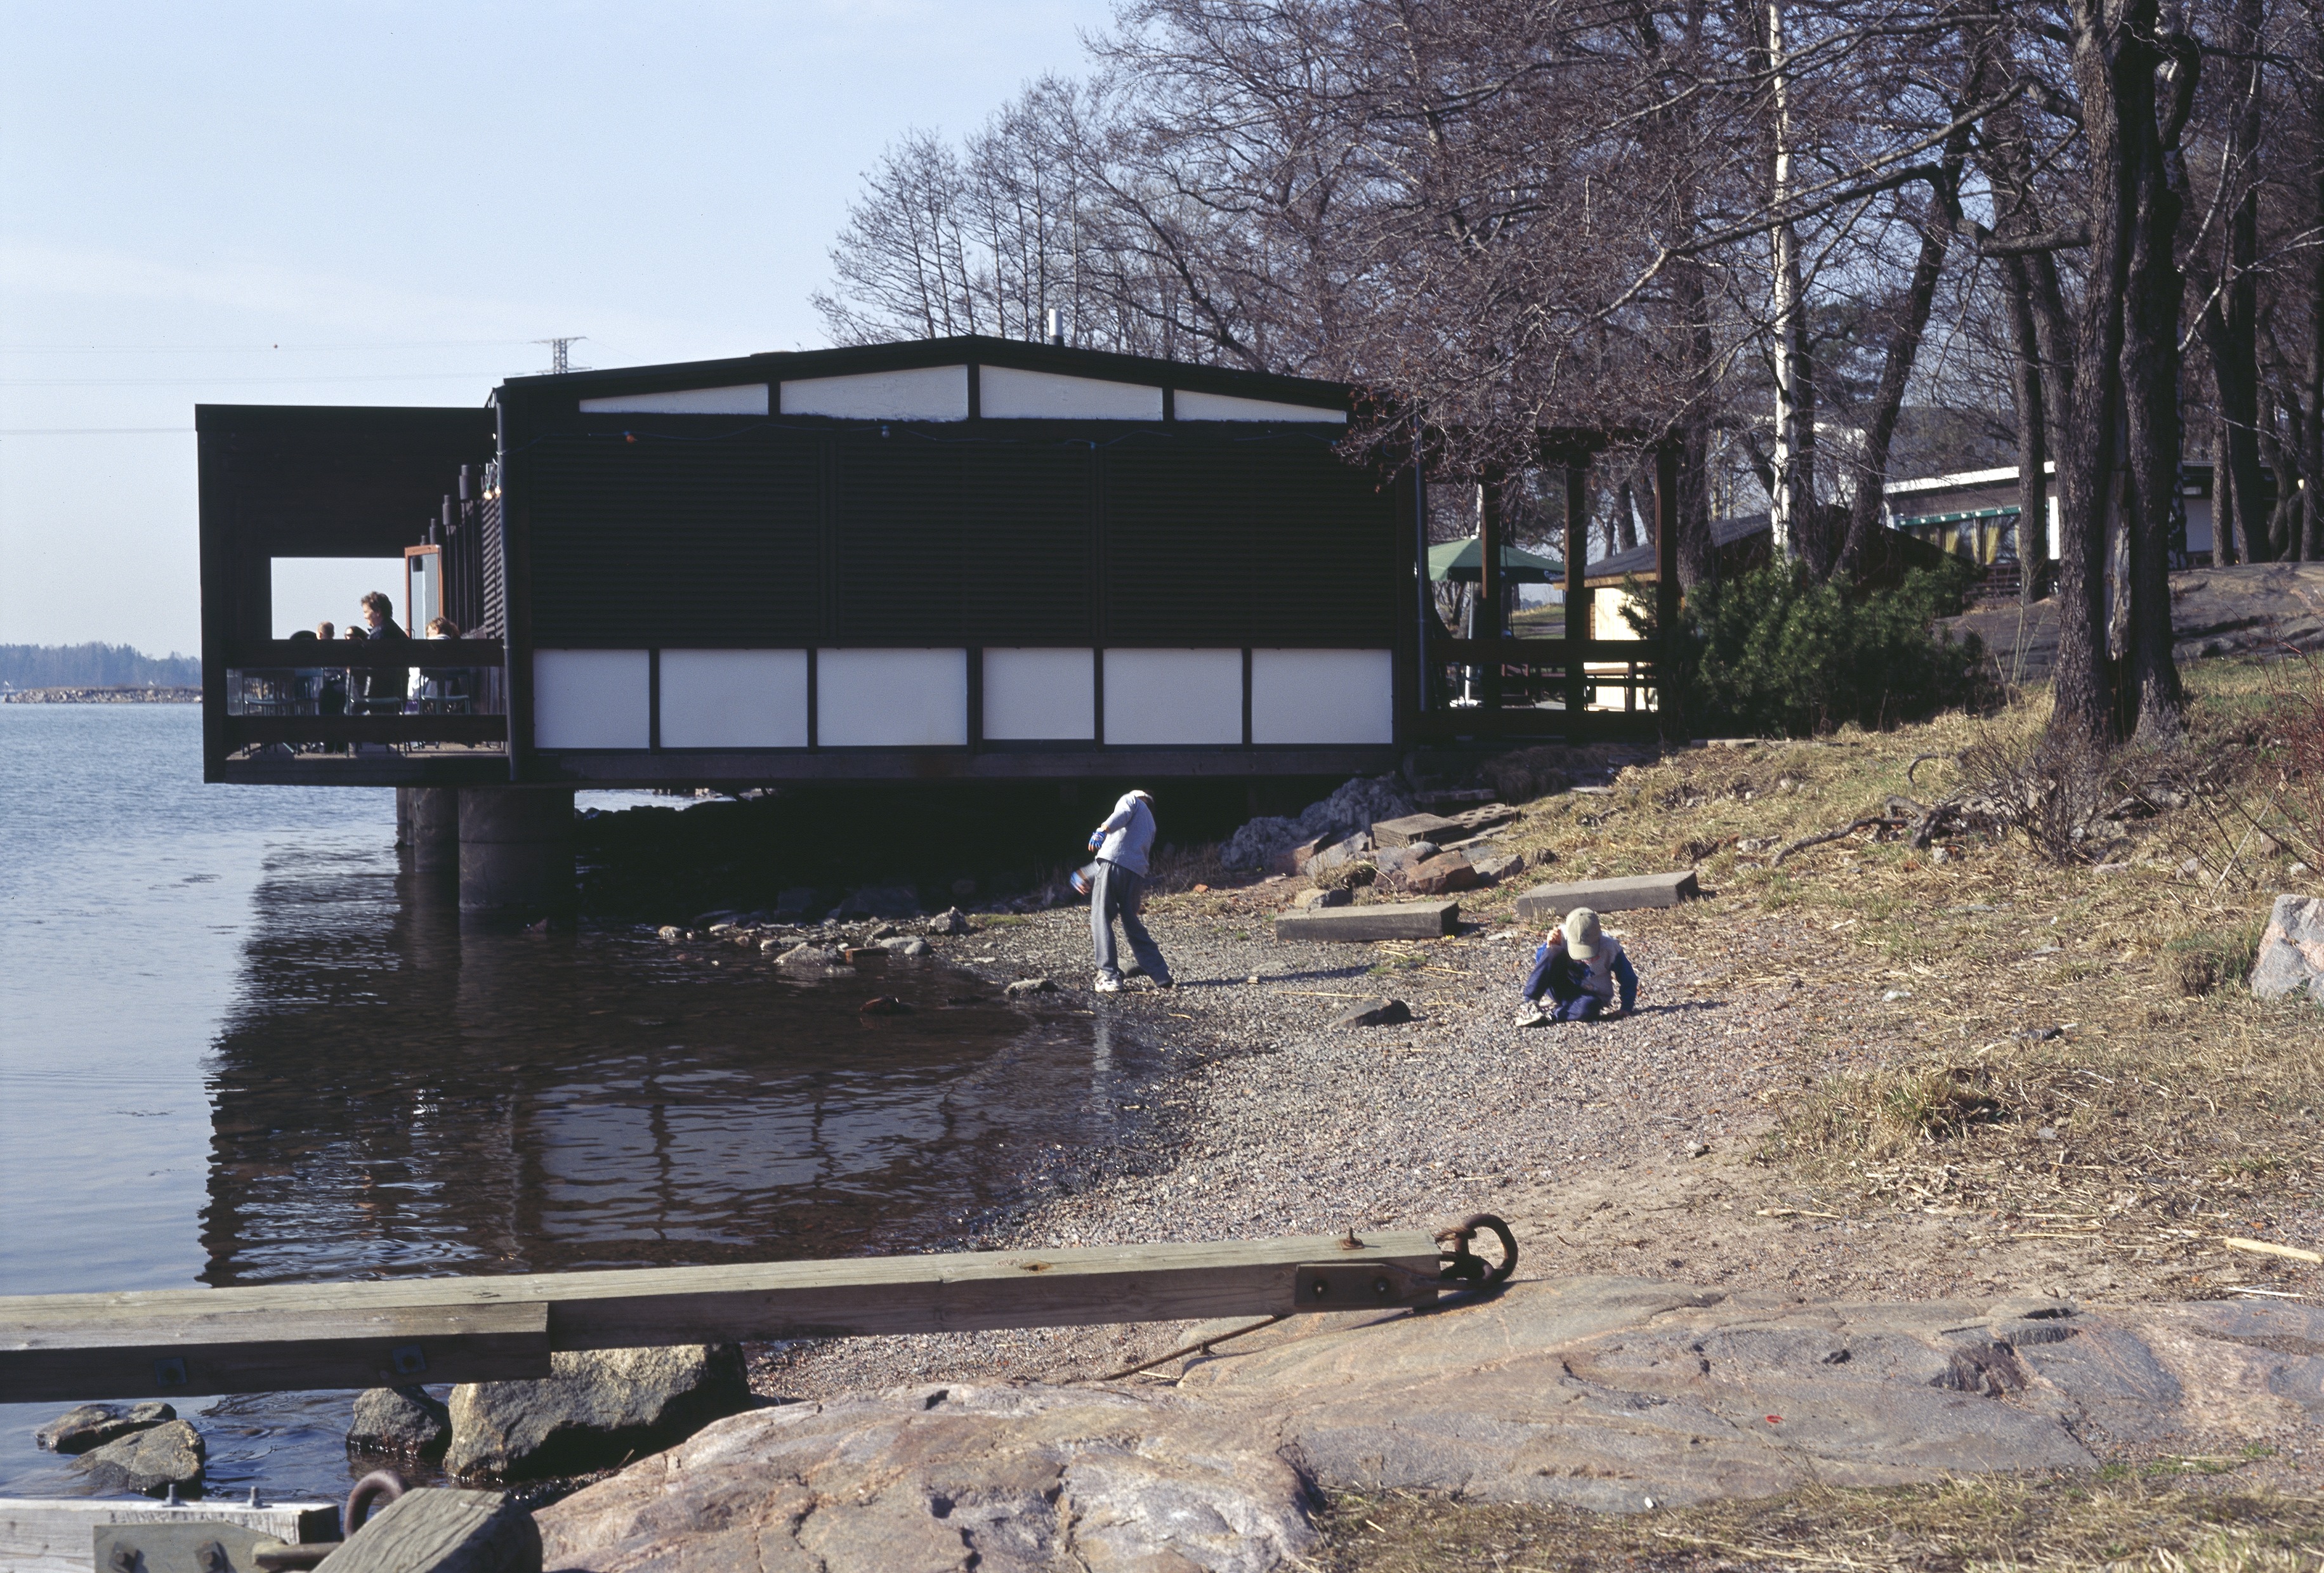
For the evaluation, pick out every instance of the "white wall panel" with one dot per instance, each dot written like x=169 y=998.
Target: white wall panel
x=1193 y=406
x=592 y=699
x=1007 y=394
x=892 y=699
x=742 y=398
x=1033 y=694
x=733 y=699
x=921 y=394
x=1323 y=696
x=1183 y=697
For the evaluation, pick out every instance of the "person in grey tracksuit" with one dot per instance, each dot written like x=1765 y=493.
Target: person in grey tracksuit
x=1123 y=844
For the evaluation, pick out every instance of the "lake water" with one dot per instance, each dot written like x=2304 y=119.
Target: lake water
x=239 y=1045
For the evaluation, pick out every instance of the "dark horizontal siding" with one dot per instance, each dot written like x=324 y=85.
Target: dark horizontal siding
x=923 y=537
x=663 y=542
x=1032 y=557
x=898 y=535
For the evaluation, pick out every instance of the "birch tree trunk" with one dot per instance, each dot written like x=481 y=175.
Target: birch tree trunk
x=1790 y=503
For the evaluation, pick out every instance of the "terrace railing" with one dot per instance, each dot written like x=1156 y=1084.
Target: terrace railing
x=305 y=696
x=1515 y=689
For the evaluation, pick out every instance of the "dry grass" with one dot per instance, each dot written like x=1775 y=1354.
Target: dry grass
x=2175 y=1515
x=2058 y=1039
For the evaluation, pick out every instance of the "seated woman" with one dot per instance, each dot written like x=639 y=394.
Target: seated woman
x=441 y=688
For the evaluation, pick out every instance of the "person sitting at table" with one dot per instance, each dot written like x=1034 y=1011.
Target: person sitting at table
x=436 y=684
x=383 y=686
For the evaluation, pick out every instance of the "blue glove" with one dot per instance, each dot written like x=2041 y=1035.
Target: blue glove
x=1097 y=840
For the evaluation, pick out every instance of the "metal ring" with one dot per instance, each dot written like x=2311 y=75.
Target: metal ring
x=1466 y=1266
x=381 y=1485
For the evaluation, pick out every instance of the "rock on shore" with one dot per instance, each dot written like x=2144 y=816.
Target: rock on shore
x=152 y=1461
x=92 y=1425
x=400 y=1423
x=1002 y=1479
x=598 y=1408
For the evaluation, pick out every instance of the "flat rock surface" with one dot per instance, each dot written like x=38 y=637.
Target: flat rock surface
x=92 y=1425
x=1610 y=1393
x=1547 y=903
x=1398 y=920
x=1600 y=1393
x=1002 y=1479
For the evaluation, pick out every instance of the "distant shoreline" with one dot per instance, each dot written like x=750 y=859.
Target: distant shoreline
x=122 y=695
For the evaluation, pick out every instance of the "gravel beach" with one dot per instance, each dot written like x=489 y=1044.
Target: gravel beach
x=1255 y=1118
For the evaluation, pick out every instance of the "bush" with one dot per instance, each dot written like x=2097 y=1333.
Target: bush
x=1771 y=653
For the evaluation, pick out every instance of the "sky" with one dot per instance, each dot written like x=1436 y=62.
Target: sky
x=377 y=204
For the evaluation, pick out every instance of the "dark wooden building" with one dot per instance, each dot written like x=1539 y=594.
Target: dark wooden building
x=955 y=558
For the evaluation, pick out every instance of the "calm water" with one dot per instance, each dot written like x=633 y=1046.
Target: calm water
x=238 y=1046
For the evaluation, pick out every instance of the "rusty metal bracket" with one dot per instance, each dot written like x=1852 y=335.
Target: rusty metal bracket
x=1466 y=1269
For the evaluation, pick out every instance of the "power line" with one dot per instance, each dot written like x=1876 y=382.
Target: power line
x=88 y=430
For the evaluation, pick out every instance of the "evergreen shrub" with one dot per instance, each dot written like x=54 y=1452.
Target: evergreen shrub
x=1773 y=653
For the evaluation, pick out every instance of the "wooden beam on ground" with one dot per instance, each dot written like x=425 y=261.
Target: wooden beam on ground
x=1400 y=920
x=162 y=1343
x=1545 y=903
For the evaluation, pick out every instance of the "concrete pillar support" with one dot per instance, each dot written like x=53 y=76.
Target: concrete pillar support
x=516 y=850
x=432 y=828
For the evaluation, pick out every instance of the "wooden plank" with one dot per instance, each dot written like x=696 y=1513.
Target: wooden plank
x=195 y=1345
x=1545 y=903
x=55 y=1535
x=63 y=1347
x=1401 y=920
x=437 y=1529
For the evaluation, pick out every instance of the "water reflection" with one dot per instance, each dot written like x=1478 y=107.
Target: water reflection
x=393 y=1096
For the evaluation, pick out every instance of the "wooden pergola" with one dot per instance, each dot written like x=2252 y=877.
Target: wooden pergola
x=1493 y=654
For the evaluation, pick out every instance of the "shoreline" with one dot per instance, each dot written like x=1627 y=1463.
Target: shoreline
x=69 y=695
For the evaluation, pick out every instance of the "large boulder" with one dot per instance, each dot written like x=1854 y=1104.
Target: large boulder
x=880 y=901
x=1002 y=1479
x=150 y=1461
x=2290 y=959
x=596 y=1408
x=400 y=1423
x=92 y=1425
x=1356 y=805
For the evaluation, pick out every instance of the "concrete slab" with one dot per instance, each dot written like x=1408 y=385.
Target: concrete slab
x=1544 y=902
x=1400 y=920
x=1416 y=827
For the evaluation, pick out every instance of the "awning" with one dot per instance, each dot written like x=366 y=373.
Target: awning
x=1464 y=562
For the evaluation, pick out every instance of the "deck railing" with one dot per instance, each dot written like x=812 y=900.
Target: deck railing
x=304 y=696
x=1539 y=688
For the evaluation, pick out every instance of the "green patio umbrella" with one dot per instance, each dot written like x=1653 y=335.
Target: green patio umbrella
x=1464 y=562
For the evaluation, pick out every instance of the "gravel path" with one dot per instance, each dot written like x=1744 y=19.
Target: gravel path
x=1253 y=1119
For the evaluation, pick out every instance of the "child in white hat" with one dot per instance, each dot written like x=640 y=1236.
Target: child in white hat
x=1576 y=974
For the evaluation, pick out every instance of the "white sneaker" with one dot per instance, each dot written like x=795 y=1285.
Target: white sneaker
x=1531 y=1015
x=1106 y=985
